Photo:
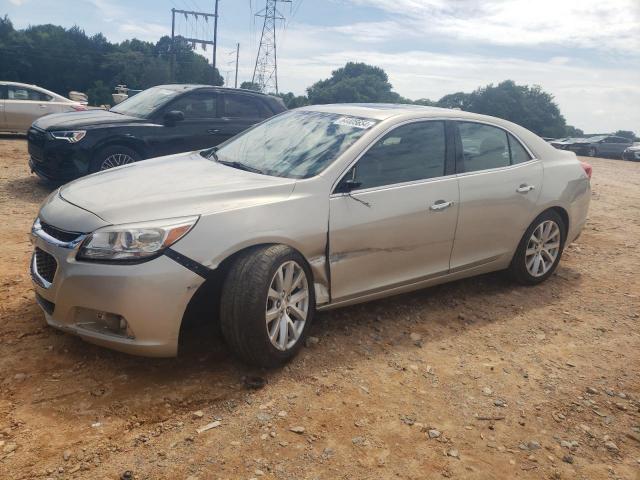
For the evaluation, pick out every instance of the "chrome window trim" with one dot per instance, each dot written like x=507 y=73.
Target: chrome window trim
x=370 y=146
x=498 y=169
x=395 y=185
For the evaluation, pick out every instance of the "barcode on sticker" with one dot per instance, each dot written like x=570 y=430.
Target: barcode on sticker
x=355 y=122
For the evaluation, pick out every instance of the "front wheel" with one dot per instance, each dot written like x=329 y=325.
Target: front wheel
x=592 y=151
x=539 y=250
x=112 y=157
x=267 y=305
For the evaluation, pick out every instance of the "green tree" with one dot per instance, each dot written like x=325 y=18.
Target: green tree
x=250 y=86
x=571 y=131
x=626 y=134
x=528 y=106
x=355 y=82
x=457 y=100
x=293 y=101
x=62 y=60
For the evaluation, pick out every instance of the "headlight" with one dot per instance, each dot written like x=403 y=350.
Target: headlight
x=71 y=136
x=135 y=241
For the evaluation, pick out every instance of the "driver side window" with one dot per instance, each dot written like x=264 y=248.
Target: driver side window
x=411 y=152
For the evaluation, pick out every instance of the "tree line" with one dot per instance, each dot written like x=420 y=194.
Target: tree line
x=62 y=60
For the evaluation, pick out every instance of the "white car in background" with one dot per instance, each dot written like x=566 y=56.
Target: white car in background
x=22 y=104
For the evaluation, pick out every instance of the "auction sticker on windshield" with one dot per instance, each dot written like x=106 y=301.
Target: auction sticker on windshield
x=355 y=122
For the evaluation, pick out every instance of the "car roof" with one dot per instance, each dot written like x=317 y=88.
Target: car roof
x=196 y=86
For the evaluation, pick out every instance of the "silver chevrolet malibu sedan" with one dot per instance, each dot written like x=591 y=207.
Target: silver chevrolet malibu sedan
x=316 y=208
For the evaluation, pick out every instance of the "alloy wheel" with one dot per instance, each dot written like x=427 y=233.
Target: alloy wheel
x=543 y=248
x=287 y=305
x=116 y=160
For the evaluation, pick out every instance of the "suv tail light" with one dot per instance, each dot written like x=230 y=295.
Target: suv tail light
x=79 y=108
x=588 y=169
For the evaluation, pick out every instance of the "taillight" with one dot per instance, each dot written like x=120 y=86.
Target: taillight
x=79 y=108
x=588 y=169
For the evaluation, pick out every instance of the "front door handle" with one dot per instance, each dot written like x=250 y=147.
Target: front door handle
x=213 y=131
x=42 y=106
x=440 y=205
x=524 y=188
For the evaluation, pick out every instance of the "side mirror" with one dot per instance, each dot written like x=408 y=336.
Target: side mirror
x=173 y=117
x=347 y=186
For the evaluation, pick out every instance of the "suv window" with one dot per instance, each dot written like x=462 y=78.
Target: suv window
x=518 y=153
x=21 y=93
x=243 y=106
x=410 y=152
x=196 y=105
x=483 y=147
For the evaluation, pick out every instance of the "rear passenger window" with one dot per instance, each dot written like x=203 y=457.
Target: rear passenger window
x=518 y=153
x=20 y=93
x=411 y=152
x=241 y=106
x=483 y=147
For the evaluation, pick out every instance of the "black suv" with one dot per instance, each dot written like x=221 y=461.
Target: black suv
x=159 y=121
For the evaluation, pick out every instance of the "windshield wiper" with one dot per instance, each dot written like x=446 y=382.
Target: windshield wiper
x=210 y=153
x=241 y=166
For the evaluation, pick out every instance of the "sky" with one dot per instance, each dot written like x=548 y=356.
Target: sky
x=584 y=52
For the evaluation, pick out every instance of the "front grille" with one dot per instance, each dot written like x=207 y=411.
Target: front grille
x=45 y=265
x=46 y=305
x=62 y=235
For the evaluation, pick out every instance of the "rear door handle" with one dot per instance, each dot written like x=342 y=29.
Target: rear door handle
x=440 y=205
x=524 y=188
x=213 y=130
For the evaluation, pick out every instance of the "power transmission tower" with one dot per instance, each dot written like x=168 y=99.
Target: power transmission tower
x=265 y=73
x=188 y=15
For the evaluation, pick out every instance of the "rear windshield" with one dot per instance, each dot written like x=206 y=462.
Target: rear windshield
x=296 y=144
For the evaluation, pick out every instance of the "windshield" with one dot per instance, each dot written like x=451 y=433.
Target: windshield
x=146 y=102
x=297 y=144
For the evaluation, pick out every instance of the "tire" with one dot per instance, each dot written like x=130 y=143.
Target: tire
x=247 y=298
x=592 y=152
x=115 y=156
x=522 y=268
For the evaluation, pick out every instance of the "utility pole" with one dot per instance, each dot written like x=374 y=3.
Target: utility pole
x=237 y=59
x=172 y=70
x=188 y=15
x=215 y=37
x=265 y=72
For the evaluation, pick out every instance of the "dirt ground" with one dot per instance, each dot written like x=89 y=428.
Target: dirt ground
x=478 y=379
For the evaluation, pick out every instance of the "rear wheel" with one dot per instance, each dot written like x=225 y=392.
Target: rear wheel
x=267 y=305
x=539 y=250
x=111 y=157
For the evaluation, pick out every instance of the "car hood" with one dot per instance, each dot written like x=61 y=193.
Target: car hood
x=71 y=120
x=174 y=186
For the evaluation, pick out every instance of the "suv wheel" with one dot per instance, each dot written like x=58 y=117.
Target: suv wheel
x=112 y=157
x=267 y=305
x=539 y=250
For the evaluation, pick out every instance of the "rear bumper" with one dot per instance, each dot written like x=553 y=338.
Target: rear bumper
x=150 y=297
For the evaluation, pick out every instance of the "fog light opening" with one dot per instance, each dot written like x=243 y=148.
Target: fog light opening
x=114 y=323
